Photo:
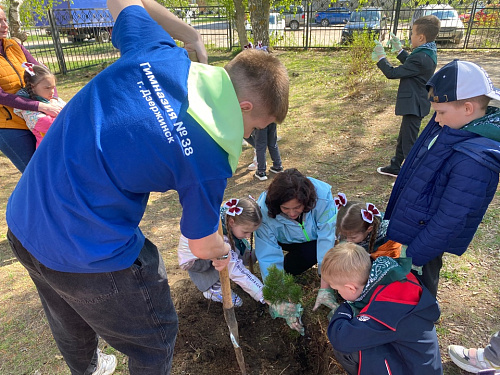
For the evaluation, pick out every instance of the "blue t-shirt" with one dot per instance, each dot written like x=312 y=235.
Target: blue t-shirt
x=127 y=133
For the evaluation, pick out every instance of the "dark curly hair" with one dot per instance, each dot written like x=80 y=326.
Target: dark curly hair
x=288 y=185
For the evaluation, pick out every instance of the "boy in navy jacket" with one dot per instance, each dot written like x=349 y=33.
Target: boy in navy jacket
x=386 y=326
x=451 y=174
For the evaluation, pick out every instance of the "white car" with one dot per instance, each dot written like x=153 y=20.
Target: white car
x=452 y=28
x=276 y=25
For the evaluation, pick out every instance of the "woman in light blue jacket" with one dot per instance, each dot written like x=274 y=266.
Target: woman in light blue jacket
x=298 y=216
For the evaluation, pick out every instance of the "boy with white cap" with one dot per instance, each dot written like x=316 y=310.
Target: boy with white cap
x=451 y=174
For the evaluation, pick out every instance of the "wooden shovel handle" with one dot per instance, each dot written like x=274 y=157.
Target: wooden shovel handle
x=227 y=300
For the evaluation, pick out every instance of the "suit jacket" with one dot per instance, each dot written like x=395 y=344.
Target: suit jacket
x=416 y=70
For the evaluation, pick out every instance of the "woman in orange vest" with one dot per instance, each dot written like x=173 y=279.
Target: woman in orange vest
x=16 y=140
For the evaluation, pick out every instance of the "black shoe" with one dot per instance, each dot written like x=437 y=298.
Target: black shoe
x=276 y=170
x=261 y=175
x=388 y=171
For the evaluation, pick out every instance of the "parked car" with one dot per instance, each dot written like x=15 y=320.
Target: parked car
x=295 y=16
x=332 y=16
x=276 y=25
x=369 y=19
x=487 y=16
x=452 y=28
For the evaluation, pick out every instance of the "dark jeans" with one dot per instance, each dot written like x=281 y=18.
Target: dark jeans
x=18 y=145
x=408 y=133
x=430 y=274
x=131 y=309
x=263 y=139
x=300 y=256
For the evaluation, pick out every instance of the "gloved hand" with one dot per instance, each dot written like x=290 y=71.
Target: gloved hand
x=296 y=324
x=326 y=297
x=291 y=312
x=417 y=269
x=395 y=43
x=378 y=51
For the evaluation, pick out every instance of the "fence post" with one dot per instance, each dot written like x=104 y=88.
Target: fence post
x=57 y=42
x=307 y=23
x=471 y=21
x=396 y=17
x=230 y=30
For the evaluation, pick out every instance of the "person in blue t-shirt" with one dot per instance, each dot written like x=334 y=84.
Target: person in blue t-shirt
x=152 y=121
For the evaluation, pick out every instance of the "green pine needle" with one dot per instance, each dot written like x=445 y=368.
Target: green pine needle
x=281 y=287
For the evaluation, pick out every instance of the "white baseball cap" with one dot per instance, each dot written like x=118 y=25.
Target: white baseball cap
x=459 y=80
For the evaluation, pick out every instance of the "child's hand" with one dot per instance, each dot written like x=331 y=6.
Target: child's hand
x=395 y=43
x=326 y=297
x=378 y=51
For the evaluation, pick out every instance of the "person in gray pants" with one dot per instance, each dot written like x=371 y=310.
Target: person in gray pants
x=478 y=360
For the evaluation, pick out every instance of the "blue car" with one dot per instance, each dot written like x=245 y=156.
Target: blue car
x=332 y=16
x=372 y=20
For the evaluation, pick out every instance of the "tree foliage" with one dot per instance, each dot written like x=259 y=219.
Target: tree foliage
x=281 y=287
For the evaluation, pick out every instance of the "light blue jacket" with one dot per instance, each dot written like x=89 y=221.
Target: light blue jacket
x=319 y=224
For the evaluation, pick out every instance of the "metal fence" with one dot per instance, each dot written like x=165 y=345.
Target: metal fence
x=70 y=40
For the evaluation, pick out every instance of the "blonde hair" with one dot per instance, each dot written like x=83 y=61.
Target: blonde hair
x=346 y=262
x=262 y=79
x=251 y=214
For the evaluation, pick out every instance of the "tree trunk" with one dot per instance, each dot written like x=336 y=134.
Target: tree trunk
x=15 y=22
x=240 y=22
x=259 y=16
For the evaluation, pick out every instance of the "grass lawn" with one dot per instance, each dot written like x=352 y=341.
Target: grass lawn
x=340 y=127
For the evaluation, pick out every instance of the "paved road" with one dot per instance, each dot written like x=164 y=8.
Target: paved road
x=487 y=59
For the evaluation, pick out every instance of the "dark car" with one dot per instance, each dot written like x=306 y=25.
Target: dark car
x=372 y=20
x=332 y=16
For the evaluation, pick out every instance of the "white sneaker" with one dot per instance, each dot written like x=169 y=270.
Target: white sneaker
x=106 y=363
x=471 y=360
x=215 y=294
x=253 y=166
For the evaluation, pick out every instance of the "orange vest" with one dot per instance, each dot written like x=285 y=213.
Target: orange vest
x=11 y=80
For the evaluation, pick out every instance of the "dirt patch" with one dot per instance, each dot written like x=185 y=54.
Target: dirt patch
x=269 y=346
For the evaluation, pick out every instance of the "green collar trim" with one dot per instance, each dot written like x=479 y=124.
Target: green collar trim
x=214 y=105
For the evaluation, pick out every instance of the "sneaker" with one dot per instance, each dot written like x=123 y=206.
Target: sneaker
x=471 y=360
x=278 y=138
x=388 y=171
x=261 y=175
x=253 y=166
x=106 y=364
x=276 y=170
x=216 y=295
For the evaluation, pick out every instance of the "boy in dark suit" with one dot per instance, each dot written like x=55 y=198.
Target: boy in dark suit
x=418 y=67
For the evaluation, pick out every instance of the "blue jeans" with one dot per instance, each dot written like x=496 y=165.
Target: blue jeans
x=131 y=309
x=263 y=139
x=18 y=145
